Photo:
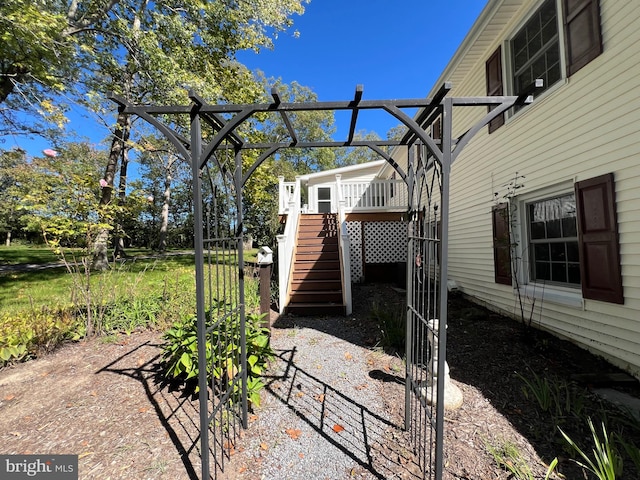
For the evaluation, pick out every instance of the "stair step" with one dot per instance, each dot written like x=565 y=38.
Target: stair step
x=317 y=264
x=316 y=240
x=309 y=235
x=323 y=297
x=316 y=274
x=316 y=256
x=317 y=285
x=317 y=248
x=315 y=309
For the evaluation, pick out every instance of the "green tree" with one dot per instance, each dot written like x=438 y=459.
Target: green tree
x=357 y=155
x=14 y=183
x=146 y=51
x=162 y=168
x=156 y=49
x=261 y=190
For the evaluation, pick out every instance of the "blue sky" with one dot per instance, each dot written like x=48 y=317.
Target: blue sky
x=394 y=49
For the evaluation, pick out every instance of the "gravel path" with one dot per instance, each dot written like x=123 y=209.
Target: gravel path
x=328 y=409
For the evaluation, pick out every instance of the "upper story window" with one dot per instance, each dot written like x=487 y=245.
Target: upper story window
x=558 y=39
x=535 y=50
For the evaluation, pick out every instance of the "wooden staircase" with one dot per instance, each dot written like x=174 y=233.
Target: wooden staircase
x=316 y=286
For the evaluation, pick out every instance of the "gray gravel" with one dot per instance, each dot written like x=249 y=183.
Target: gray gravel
x=323 y=415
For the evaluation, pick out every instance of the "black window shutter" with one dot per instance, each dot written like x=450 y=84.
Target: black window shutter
x=600 y=272
x=583 y=37
x=494 y=84
x=501 y=244
x=436 y=129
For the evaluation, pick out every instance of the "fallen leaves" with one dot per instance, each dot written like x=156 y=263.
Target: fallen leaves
x=294 y=433
x=8 y=398
x=338 y=428
x=348 y=356
x=264 y=446
x=229 y=447
x=320 y=398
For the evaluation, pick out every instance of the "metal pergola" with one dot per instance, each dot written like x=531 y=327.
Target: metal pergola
x=426 y=170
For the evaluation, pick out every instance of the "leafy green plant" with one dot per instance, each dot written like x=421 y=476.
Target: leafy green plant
x=508 y=457
x=551 y=469
x=27 y=334
x=606 y=463
x=633 y=452
x=540 y=389
x=392 y=323
x=222 y=357
x=557 y=397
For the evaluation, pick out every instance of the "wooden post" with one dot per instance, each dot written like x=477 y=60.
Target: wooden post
x=265 y=293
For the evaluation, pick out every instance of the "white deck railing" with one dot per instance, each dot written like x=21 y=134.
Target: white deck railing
x=374 y=195
x=286 y=244
x=344 y=246
x=286 y=195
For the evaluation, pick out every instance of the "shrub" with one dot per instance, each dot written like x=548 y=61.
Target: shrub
x=392 y=321
x=180 y=355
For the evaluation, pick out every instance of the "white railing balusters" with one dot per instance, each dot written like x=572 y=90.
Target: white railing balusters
x=344 y=249
x=287 y=241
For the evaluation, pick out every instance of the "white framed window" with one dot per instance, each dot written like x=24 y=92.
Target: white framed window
x=552 y=241
x=555 y=40
x=534 y=51
x=561 y=243
x=547 y=245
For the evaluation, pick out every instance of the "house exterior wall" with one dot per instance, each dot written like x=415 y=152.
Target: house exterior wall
x=328 y=180
x=582 y=127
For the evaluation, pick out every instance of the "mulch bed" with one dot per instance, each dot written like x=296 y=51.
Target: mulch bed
x=106 y=402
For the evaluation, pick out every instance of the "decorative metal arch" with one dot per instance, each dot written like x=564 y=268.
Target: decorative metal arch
x=427 y=174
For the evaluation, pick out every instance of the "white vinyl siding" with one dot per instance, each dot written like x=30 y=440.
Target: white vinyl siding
x=583 y=127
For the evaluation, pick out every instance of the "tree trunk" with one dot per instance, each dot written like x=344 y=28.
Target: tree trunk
x=8 y=240
x=164 y=221
x=118 y=247
x=120 y=138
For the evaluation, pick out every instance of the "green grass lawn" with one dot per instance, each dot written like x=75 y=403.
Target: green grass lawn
x=142 y=273
x=48 y=306
x=14 y=255
x=57 y=287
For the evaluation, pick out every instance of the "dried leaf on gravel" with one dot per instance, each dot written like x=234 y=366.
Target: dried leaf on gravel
x=264 y=446
x=320 y=398
x=338 y=428
x=8 y=398
x=348 y=356
x=294 y=433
